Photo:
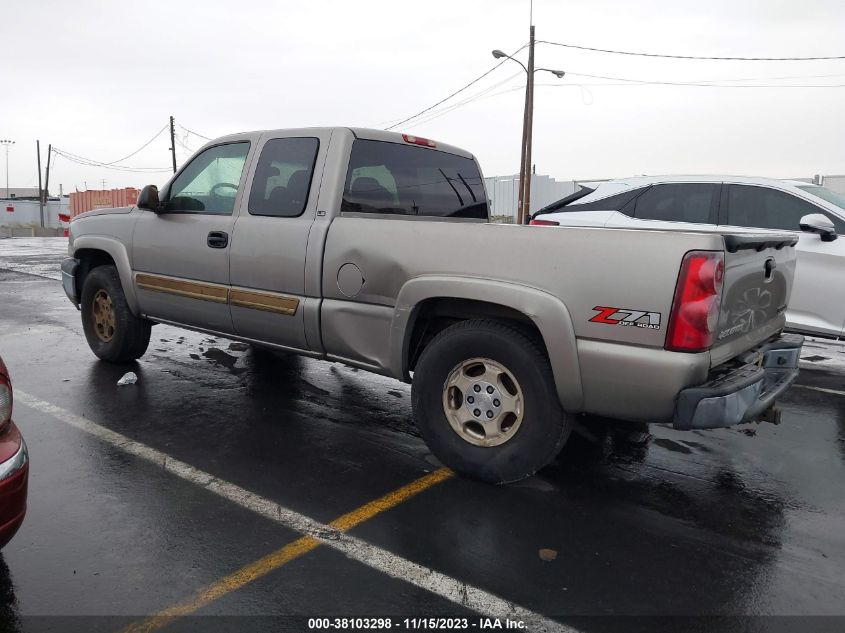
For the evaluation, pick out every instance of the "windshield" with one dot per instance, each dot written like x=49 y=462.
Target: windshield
x=825 y=194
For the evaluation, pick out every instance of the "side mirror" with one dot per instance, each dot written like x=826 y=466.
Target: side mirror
x=820 y=224
x=148 y=199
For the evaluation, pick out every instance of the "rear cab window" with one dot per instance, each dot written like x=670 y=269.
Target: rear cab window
x=395 y=179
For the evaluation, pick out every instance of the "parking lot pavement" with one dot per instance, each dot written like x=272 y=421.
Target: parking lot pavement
x=819 y=353
x=196 y=491
x=34 y=255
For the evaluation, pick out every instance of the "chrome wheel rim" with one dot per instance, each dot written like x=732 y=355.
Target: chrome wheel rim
x=102 y=313
x=483 y=402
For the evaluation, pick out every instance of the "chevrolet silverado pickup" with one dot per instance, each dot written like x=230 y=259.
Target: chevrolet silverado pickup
x=375 y=249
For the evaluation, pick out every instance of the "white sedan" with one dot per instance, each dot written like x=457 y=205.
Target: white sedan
x=715 y=203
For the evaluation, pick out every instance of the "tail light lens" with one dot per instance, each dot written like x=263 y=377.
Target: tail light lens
x=698 y=299
x=418 y=140
x=5 y=398
x=544 y=223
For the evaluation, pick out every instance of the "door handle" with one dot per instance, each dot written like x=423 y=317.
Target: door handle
x=218 y=239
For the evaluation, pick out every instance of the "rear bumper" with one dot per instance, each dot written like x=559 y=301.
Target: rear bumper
x=741 y=391
x=69 y=266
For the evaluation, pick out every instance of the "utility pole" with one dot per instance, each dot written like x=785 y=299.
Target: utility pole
x=47 y=178
x=529 y=124
x=173 y=144
x=40 y=196
x=7 y=143
x=523 y=209
x=104 y=184
x=520 y=203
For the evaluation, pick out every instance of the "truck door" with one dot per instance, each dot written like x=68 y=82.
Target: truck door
x=271 y=237
x=181 y=254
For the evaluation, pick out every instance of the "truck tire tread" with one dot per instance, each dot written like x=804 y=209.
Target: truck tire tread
x=546 y=426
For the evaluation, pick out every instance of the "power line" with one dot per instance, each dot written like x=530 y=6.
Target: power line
x=90 y=161
x=192 y=132
x=699 y=57
x=716 y=83
x=81 y=160
x=157 y=134
x=457 y=92
x=184 y=145
x=628 y=83
x=436 y=114
x=112 y=165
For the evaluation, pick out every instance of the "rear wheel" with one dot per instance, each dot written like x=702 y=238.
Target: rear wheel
x=114 y=334
x=485 y=402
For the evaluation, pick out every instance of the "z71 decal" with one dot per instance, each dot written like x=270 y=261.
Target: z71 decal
x=627 y=317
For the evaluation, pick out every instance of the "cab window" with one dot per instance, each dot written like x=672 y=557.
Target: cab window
x=283 y=177
x=390 y=178
x=209 y=184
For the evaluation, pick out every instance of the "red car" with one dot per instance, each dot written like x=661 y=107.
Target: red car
x=14 y=464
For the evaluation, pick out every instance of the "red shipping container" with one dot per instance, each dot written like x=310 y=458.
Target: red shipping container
x=82 y=201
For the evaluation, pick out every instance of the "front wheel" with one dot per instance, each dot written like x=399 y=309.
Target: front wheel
x=114 y=334
x=485 y=402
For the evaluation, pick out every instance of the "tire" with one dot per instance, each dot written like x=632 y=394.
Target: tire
x=114 y=334
x=445 y=377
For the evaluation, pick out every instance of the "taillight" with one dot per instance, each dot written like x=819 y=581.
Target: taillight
x=544 y=223
x=5 y=397
x=698 y=298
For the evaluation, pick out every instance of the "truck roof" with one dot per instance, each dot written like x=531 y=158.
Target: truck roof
x=359 y=132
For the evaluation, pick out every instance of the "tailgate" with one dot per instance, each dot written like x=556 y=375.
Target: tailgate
x=759 y=269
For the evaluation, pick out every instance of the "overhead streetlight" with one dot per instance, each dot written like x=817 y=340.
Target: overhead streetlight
x=7 y=143
x=523 y=210
x=499 y=54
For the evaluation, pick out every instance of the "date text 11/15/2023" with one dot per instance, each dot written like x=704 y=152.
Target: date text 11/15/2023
x=413 y=624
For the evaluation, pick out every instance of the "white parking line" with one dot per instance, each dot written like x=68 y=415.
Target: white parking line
x=379 y=559
x=836 y=392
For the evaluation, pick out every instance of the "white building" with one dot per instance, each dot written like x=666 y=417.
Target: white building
x=503 y=193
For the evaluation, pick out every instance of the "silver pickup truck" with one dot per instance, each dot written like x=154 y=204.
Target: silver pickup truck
x=375 y=249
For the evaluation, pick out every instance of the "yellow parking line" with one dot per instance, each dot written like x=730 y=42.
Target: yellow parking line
x=292 y=551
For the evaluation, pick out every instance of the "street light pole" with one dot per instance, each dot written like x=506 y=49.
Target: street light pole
x=525 y=116
x=529 y=135
x=6 y=142
x=523 y=206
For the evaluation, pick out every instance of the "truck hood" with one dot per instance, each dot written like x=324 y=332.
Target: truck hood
x=108 y=211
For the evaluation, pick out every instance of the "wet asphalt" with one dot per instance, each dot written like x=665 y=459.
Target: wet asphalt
x=735 y=527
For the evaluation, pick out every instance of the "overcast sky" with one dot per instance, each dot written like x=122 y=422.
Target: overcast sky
x=99 y=78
